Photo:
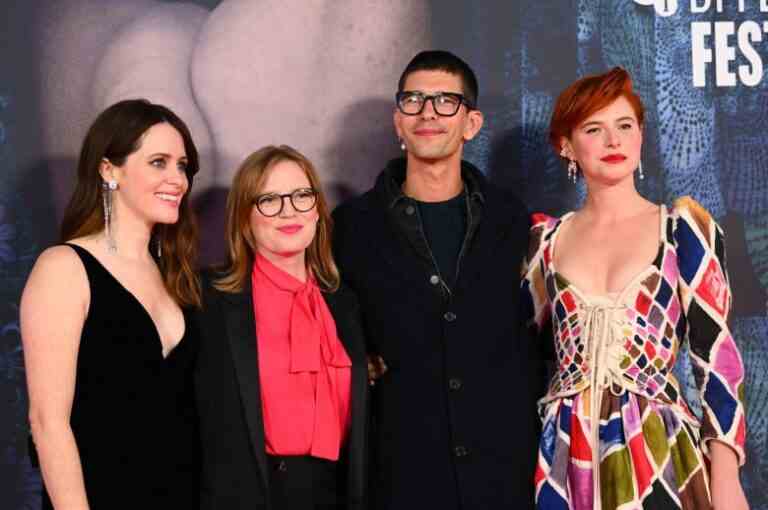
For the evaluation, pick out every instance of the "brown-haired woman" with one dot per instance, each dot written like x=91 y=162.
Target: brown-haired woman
x=281 y=377
x=617 y=286
x=104 y=322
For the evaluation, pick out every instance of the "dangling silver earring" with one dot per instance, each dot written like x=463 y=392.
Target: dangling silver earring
x=573 y=171
x=640 y=170
x=402 y=145
x=159 y=247
x=109 y=214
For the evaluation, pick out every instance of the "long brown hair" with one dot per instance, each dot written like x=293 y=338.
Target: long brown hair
x=241 y=246
x=114 y=135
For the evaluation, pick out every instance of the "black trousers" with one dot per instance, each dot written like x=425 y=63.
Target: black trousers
x=305 y=483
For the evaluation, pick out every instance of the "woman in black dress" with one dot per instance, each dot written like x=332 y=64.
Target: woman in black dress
x=280 y=381
x=104 y=320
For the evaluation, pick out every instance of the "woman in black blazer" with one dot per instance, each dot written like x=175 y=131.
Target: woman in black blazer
x=280 y=381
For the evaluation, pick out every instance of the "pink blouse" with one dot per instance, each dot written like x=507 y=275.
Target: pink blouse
x=305 y=372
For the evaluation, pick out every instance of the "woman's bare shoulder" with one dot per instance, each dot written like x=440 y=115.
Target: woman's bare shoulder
x=59 y=268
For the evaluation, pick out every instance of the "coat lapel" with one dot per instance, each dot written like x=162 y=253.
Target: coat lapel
x=496 y=227
x=241 y=334
x=393 y=248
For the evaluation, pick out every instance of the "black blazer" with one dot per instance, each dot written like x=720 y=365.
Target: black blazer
x=228 y=398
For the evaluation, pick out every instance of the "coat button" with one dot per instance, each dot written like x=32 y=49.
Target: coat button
x=460 y=451
x=449 y=316
x=410 y=210
x=282 y=466
x=454 y=384
x=434 y=279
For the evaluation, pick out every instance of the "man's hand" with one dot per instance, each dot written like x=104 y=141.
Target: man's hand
x=376 y=368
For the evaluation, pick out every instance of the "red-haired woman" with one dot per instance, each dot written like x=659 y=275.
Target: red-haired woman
x=619 y=284
x=104 y=320
x=281 y=378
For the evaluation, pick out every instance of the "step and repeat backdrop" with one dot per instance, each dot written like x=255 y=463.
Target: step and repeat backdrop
x=321 y=76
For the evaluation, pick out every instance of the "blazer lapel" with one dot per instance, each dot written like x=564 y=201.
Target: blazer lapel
x=241 y=333
x=344 y=309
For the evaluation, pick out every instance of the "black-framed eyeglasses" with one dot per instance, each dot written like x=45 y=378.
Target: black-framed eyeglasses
x=271 y=204
x=445 y=104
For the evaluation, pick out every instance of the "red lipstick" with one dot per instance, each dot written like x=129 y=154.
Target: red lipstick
x=613 y=158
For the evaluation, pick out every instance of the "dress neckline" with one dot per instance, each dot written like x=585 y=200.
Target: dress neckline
x=143 y=308
x=584 y=296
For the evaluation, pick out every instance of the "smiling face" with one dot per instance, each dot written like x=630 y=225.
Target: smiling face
x=290 y=232
x=153 y=179
x=429 y=136
x=607 y=144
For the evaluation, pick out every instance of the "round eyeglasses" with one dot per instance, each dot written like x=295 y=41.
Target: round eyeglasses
x=445 y=104
x=271 y=204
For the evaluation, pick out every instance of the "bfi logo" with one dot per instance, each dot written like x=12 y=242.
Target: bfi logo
x=663 y=8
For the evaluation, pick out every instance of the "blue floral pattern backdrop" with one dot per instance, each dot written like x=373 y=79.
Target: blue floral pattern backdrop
x=709 y=142
x=20 y=482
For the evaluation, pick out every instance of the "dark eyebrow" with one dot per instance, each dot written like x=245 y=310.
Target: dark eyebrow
x=165 y=155
x=433 y=93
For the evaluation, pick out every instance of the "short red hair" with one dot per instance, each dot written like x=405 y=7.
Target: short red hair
x=587 y=96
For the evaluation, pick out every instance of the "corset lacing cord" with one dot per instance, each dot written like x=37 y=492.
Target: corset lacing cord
x=601 y=335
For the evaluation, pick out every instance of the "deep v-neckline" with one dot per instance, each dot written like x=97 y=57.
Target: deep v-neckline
x=584 y=296
x=143 y=308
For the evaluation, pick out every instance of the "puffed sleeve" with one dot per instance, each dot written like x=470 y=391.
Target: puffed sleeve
x=705 y=295
x=532 y=282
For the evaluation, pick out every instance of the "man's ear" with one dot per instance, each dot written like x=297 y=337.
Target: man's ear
x=474 y=123
x=396 y=116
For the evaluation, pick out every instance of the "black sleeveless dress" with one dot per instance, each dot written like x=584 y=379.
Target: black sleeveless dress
x=133 y=414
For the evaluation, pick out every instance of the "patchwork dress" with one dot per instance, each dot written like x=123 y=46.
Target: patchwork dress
x=614 y=357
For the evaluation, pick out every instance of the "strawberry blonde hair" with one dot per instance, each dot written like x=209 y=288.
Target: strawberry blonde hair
x=241 y=245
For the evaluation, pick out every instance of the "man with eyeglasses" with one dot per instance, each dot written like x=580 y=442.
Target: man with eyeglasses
x=434 y=253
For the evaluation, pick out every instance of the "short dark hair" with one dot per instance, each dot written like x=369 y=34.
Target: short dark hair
x=440 y=60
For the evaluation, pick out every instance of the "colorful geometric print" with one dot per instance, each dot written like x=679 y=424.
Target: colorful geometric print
x=648 y=457
x=649 y=328
x=683 y=296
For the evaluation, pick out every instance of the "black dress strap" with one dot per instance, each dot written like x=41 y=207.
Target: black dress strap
x=91 y=263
